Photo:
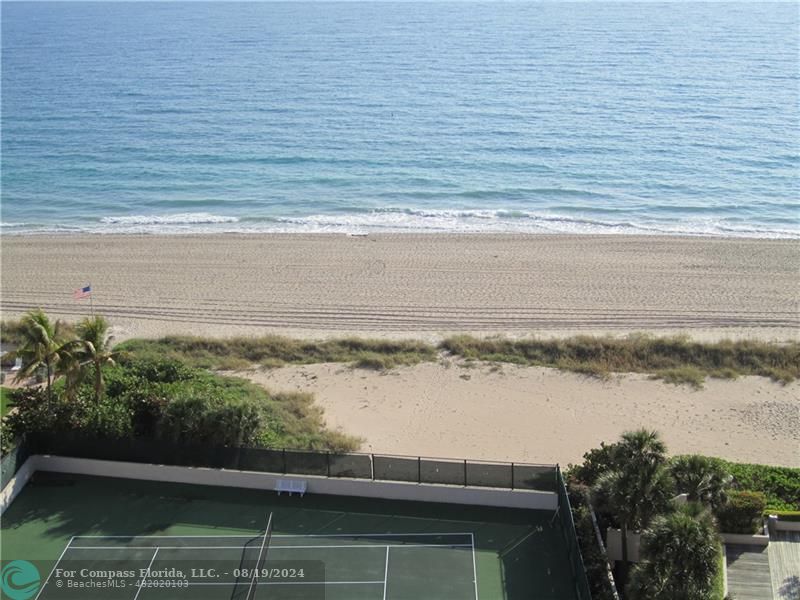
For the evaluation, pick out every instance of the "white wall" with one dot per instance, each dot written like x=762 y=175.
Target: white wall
x=316 y=485
x=16 y=484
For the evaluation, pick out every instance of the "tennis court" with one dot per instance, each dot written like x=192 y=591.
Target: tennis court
x=159 y=540
x=334 y=567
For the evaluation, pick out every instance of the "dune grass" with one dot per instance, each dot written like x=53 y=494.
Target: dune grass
x=677 y=360
x=274 y=351
x=674 y=359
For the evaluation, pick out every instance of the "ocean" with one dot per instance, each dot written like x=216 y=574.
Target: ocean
x=352 y=117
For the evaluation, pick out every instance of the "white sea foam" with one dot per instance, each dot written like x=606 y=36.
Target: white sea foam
x=397 y=220
x=178 y=219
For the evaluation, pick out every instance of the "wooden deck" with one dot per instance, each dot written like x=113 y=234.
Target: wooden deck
x=784 y=564
x=748 y=572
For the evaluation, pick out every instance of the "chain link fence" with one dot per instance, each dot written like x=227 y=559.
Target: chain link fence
x=571 y=538
x=384 y=467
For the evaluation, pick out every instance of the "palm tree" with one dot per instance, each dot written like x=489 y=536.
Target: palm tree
x=679 y=557
x=96 y=349
x=41 y=347
x=703 y=479
x=638 y=487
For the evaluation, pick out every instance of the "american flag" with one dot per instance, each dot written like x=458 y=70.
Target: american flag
x=83 y=292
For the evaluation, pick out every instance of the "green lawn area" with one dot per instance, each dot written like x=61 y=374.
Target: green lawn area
x=4 y=401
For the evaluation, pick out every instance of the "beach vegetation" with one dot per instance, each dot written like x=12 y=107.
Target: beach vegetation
x=679 y=557
x=687 y=375
x=164 y=399
x=636 y=487
x=92 y=388
x=742 y=513
x=271 y=351
x=675 y=359
x=702 y=479
x=785 y=515
x=94 y=352
x=43 y=347
x=595 y=560
x=12 y=331
x=732 y=497
x=5 y=401
x=780 y=485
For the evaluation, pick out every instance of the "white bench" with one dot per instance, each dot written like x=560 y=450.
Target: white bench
x=291 y=486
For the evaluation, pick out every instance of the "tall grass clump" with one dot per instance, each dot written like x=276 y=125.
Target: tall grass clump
x=271 y=351
x=675 y=359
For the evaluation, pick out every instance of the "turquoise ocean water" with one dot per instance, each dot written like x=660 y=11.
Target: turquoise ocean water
x=537 y=117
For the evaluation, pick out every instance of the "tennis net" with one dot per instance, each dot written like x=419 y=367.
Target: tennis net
x=262 y=558
x=254 y=555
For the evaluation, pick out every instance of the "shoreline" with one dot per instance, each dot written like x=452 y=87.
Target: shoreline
x=422 y=285
x=11 y=234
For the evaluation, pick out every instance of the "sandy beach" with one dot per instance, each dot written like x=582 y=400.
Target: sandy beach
x=543 y=415
x=428 y=286
x=411 y=285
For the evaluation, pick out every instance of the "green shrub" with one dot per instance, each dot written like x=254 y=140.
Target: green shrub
x=742 y=512
x=155 y=397
x=596 y=462
x=781 y=485
x=205 y=417
x=785 y=515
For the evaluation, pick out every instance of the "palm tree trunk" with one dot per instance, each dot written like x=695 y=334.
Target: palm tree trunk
x=49 y=376
x=98 y=382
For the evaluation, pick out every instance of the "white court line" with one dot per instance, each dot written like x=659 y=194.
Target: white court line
x=319 y=582
x=233 y=583
x=277 y=535
x=271 y=548
x=146 y=573
x=386 y=573
x=474 y=569
x=55 y=566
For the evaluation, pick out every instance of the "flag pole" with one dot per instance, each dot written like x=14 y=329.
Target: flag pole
x=91 y=300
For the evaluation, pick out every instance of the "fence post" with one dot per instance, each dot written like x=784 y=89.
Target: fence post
x=465 y=472
x=512 y=475
x=372 y=465
x=419 y=469
x=284 y=460
x=328 y=458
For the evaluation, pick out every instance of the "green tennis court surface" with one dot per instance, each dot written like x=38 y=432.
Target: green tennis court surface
x=329 y=566
x=163 y=540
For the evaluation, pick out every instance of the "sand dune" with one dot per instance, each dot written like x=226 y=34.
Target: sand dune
x=542 y=415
